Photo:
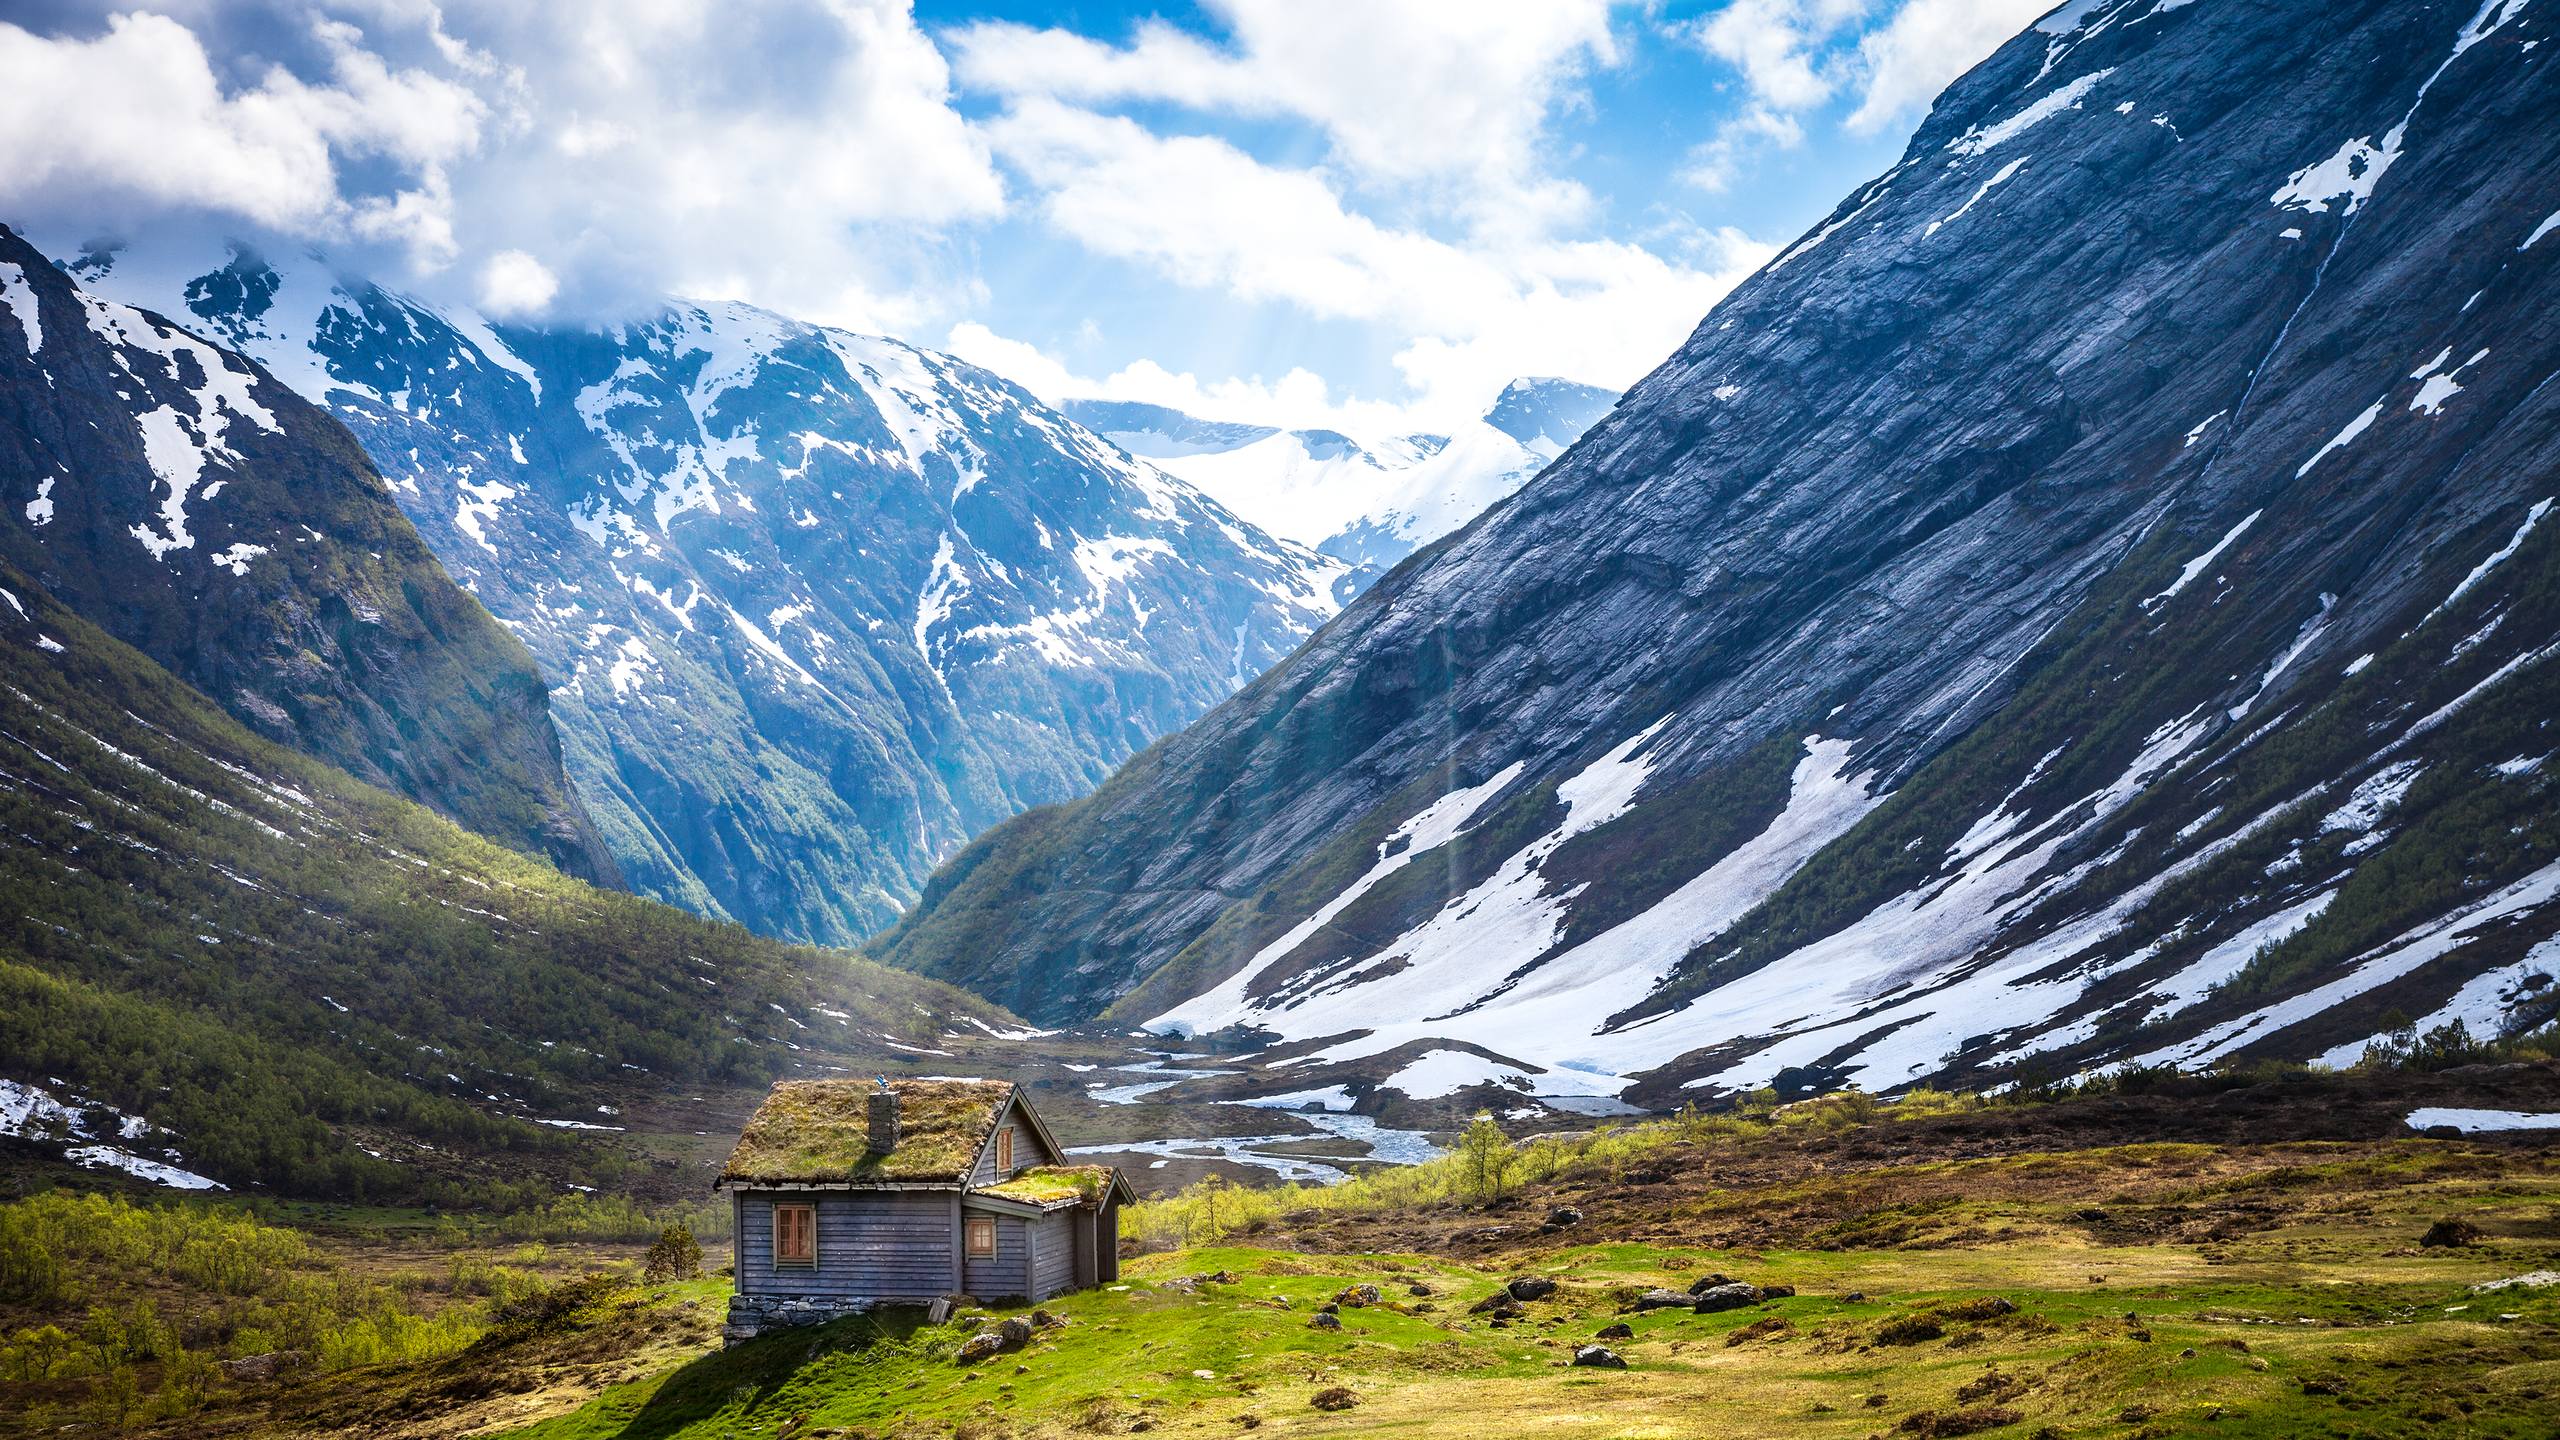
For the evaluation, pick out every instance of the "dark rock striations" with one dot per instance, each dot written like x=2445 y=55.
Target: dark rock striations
x=2091 y=598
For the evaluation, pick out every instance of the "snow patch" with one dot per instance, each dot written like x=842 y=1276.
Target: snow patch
x=2479 y=572
x=236 y=558
x=1981 y=138
x=2343 y=438
x=1998 y=178
x=2188 y=572
x=20 y=297
x=2473 y=1122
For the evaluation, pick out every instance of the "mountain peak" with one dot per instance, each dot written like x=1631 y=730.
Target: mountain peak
x=1544 y=411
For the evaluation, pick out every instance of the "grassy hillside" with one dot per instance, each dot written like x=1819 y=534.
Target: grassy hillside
x=297 y=982
x=2026 y=1269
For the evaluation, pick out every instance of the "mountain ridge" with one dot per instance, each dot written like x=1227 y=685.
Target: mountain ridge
x=1839 y=708
x=183 y=499
x=1368 y=501
x=816 y=606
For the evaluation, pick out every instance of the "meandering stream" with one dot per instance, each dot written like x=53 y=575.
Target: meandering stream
x=1384 y=1145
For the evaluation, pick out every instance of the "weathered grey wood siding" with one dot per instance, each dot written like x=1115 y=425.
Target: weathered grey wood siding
x=881 y=1245
x=1027 y=1149
x=1002 y=1277
x=1053 y=1267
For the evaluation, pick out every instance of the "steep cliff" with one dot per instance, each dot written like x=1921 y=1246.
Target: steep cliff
x=2092 y=598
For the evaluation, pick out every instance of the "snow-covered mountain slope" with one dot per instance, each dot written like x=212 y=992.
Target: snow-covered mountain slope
x=289 y=981
x=1368 y=502
x=816 y=606
x=2094 y=598
x=183 y=500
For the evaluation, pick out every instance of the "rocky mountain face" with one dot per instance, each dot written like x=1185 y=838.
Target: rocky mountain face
x=223 y=963
x=816 y=606
x=2092 y=599
x=1367 y=502
x=179 y=497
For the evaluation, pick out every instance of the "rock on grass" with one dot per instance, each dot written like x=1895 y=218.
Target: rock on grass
x=2450 y=1233
x=1934 y=1424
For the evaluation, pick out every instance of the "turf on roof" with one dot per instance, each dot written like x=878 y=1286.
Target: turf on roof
x=816 y=1130
x=1051 y=1184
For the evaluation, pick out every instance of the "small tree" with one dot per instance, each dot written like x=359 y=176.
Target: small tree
x=1206 y=1225
x=186 y=1378
x=103 y=1334
x=676 y=1255
x=1486 y=1160
x=34 y=1352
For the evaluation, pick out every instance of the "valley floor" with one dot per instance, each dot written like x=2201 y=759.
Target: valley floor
x=2061 y=1269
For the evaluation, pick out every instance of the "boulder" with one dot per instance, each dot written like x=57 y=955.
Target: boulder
x=1530 y=1287
x=1043 y=1320
x=1564 y=1215
x=985 y=1345
x=1013 y=1334
x=1776 y=1292
x=2449 y=1234
x=1708 y=1282
x=1599 y=1357
x=1499 y=1305
x=1355 y=1296
x=1661 y=1300
x=1724 y=1297
x=259 y=1369
x=1616 y=1330
x=1417 y=1289
x=1324 y=1320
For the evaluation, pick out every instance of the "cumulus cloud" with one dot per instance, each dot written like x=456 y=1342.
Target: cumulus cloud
x=1924 y=47
x=1798 y=57
x=515 y=284
x=1448 y=102
x=1299 y=399
x=133 y=120
x=1476 y=313
x=787 y=148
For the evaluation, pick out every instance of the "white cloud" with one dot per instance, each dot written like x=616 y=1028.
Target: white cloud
x=1714 y=164
x=1776 y=45
x=134 y=121
x=1797 y=57
x=1447 y=102
x=1473 y=315
x=1300 y=399
x=792 y=149
x=515 y=284
x=1924 y=47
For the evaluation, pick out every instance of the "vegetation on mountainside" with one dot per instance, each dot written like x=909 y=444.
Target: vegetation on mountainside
x=2459 y=832
x=2017 y=1268
x=316 y=987
x=2109 y=1290
x=116 y=1314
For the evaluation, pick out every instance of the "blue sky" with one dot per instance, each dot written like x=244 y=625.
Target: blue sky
x=1366 y=213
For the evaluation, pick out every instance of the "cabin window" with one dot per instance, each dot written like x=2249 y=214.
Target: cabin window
x=1004 y=1149
x=795 y=1237
x=982 y=1238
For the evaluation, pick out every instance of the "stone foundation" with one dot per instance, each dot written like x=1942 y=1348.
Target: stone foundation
x=753 y=1315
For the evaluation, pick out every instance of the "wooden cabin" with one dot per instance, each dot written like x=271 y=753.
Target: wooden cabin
x=850 y=1194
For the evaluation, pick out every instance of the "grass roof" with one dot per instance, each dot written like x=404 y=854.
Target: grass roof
x=1053 y=1184
x=818 y=1130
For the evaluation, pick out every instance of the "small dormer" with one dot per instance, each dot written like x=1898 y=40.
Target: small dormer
x=1018 y=1141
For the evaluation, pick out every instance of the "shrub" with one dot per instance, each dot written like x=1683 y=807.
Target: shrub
x=676 y=1255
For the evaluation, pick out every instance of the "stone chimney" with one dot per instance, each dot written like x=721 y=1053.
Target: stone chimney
x=882 y=1136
